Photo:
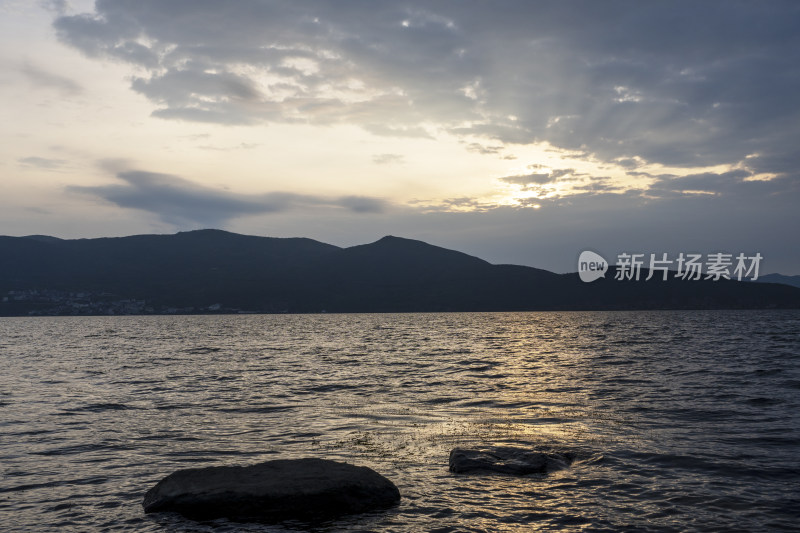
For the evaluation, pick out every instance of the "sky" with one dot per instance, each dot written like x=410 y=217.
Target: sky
x=521 y=132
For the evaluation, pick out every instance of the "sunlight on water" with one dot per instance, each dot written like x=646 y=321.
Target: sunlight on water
x=680 y=420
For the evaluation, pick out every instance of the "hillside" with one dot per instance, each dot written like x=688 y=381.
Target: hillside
x=217 y=271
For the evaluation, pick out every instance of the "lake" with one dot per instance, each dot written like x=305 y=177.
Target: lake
x=681 y=421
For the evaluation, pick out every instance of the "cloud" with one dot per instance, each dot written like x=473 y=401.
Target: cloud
x=460 y=204
x=552 y=236
x=738 y=183
x=43 y=163
x=628 y=162
x=541 y=178
x=42 y=78
x=240 y=146
x=528 y=179
x=598 y=185
x=359 y=204
x=57 y=6
x=559 y=173
x=183 y=203
x=388 y=159
x=397 y=131
x=485 y=150
x=621 y=84
x=715 y=84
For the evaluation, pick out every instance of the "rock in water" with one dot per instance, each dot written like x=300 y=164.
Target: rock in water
x=507 y=460
x=307 y=489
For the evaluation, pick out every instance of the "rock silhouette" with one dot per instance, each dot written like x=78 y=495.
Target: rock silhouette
x=507 y=460
x=306 y=489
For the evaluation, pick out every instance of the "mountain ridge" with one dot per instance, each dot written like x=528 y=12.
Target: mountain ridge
x=219 y=271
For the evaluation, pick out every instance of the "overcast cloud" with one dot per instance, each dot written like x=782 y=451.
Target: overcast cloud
x=679 y=83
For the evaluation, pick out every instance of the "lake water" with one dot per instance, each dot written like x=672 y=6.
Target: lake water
x=682 y=421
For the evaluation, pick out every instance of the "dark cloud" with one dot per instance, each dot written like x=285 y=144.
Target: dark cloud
x=360 y=204
x=170 y=89
x=680 y=83
x=528 y=179
x=183 y=203
x=559 y=173
x=708 y=182
x=598 y=185
x=740 y=184
x=628 y=162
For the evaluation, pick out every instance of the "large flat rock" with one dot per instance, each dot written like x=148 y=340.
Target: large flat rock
x=507 y=460
x=305 y=489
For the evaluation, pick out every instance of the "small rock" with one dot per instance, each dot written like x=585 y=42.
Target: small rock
x=507 y=460
x=306 y=489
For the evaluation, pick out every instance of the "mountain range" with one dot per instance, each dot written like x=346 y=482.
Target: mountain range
x=218 y=271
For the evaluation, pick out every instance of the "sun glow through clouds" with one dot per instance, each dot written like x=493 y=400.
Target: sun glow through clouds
x=423 y=108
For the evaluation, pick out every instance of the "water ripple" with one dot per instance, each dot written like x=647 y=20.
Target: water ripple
x=679 y=420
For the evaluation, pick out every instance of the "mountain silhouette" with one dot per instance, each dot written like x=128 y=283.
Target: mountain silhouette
x=794 y=281
x=218 y=271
